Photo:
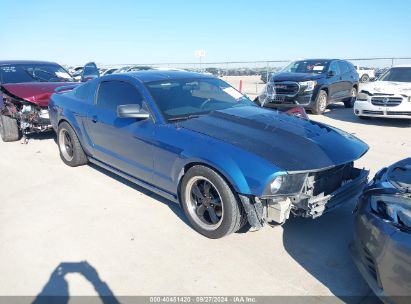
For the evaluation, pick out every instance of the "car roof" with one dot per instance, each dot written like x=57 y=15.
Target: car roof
x=320 y=59
x=402 y=66
x=7 y=62
x=156 y=75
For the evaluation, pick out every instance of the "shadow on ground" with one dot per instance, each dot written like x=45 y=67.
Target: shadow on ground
x=172 y=205
x=339 y=112
x=321 y=247
x=56 y=289
x=41 y=136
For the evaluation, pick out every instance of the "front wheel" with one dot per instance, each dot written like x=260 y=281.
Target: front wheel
x=320 y=103
x=364 y=78
x=9 y=130
x=209 y=203
x=70 y=148
x=349 y=103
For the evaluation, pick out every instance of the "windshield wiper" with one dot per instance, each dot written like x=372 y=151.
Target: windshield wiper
x=187 y=117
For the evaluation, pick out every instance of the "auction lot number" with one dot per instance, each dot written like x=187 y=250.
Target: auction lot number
x=201 y=299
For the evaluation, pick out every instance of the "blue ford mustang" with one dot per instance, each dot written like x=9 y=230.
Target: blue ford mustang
x=198 y=141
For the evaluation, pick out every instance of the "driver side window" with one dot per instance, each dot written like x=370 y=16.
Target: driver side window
x=114 y=93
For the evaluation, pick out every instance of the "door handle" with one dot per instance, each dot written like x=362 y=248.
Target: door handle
x=94 y=119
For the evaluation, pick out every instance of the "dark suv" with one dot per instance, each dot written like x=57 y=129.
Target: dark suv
x=313 y=84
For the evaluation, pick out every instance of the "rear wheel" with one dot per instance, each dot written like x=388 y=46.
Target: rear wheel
x=365 y=78
x=9 y=129
x=209 y=203
x=320 y=103
x=70 y=148
x=349 y=103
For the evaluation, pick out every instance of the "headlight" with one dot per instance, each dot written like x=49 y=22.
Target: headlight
x=309 y=85
x=362 y=96
x=394 y=209
x=285 y=184
x=276 y=184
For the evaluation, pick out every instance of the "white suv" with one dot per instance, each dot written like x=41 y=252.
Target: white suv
x=388 y=97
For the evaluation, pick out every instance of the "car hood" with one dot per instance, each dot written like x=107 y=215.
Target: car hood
x=286 y=76
x=291 y=143
x=388 y=87
x=34 y=92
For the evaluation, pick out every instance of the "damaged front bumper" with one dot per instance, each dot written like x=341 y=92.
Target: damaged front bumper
x=31 y=118
x=34 y=119
x=322 y=192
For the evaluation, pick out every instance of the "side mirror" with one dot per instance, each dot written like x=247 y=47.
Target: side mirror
x=330 y=74
x=132 y=111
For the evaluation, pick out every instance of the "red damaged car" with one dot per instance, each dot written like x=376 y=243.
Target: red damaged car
x=25 y=90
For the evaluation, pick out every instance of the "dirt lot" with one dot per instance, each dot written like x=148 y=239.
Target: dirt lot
x=54 y=218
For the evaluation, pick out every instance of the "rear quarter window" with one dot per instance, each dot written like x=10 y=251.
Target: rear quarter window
x=351 y=66
x=344 y=68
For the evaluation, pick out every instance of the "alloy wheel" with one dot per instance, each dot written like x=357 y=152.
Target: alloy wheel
x=205 y=204
x=66 y=145
x=323 y=103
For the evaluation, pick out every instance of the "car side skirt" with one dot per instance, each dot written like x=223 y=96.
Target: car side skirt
x=134 y=180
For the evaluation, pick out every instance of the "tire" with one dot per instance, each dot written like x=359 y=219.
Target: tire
x=320 y=103
x=70 y=148
x=9 y=129
x=349 y=103
x=365 y=78
x=229 y=213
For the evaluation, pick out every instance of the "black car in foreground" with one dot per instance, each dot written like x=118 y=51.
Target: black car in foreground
x=313 y=84
x=382 y=233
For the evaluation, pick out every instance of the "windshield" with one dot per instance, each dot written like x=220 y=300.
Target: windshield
x=184 y=99
x=33 y=73
x=397 y=75
x=308 y=66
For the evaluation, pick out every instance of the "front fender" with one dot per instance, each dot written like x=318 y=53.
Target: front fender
x=247 y=173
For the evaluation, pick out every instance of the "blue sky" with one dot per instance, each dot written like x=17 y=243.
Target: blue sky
x=126 y=31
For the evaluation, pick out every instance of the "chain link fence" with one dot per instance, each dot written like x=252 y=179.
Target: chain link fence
x=250 y=76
